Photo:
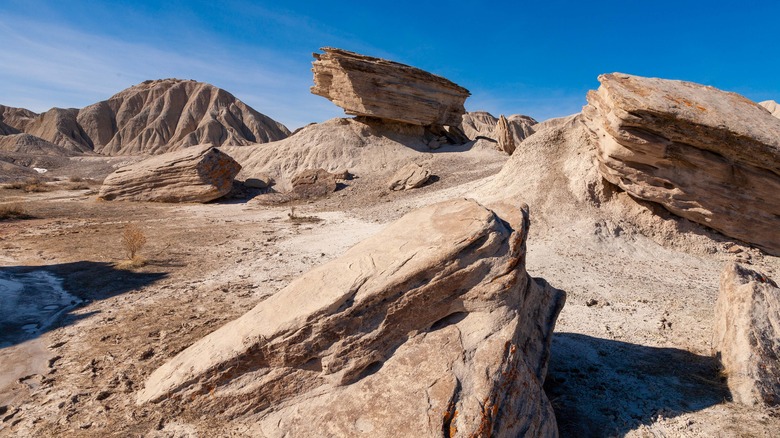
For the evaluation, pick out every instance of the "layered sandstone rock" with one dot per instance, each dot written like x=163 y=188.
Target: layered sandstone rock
x=747 y=335
x=772 y=107
x=373 y=87
x=410 y=176
x=506 y=132
x=153 y=117
x=707 y=155
x=431 y=327
x=196 y=174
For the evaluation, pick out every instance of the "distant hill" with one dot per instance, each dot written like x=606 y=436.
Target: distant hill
x=152 y=117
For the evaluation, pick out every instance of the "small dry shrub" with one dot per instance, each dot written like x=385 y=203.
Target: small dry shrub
x=133 y=240
x=297 y=219
x=75 y=179
x=29 y=185
x=13 y=212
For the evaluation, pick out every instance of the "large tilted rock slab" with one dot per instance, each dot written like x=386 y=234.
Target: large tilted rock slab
x=196 y=174
x=373 y=87
x=431 y=327
x=707 y=155
x=747 y=335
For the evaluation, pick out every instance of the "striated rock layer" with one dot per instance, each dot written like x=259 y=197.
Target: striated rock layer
x=707 y=155
x=373 y=87
x=196 y=174
x=747 y=335
x=153 y=117
x=431 y=327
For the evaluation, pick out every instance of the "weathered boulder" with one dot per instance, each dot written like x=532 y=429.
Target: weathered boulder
x=707 y=155
x=747 y=335
x=431 y=327
x=772 y=107
x=313 y=183
x=196 y=174
x=373 y=87
x=410 y=176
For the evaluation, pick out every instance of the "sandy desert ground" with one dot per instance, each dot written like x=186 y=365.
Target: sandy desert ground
x=631 y=354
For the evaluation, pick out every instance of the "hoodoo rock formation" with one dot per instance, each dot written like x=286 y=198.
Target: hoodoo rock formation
x=153 y=117
x=373 y=87
x=747 y=335
x=196 y=174
x=707 y=155
x=430 y=327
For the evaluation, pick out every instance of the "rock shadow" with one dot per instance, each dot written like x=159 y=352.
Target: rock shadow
x=605 y=388
x=37 y=299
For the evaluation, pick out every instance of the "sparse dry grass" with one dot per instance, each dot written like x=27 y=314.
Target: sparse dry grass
x=13 y=212
x=30 y=185
x=296 y=219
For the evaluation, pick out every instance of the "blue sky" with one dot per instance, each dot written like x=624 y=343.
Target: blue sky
x=537 y=58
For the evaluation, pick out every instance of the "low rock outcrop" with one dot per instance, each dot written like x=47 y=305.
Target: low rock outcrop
x=196 y=174
x=707 y=155
x=373 y=87
x=313 y=183
x=153 y=117
x=410 y=176
x=772 y=107
x=431 y=327
x=747 y=335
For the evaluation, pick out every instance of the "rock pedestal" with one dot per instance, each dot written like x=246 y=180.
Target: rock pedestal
x=373 y=87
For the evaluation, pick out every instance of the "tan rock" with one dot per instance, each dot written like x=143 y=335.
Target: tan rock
x=747 y=335
x=195 y=174
x=373 y=87
x=410 y=176
x=313 y=183
x=707 y=155
x=772 y=107
x=433 y=321
x=506 y=141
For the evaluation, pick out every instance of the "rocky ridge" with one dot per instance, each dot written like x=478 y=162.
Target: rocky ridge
x=505 y=132
x=772 y=107
x=153 y=117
